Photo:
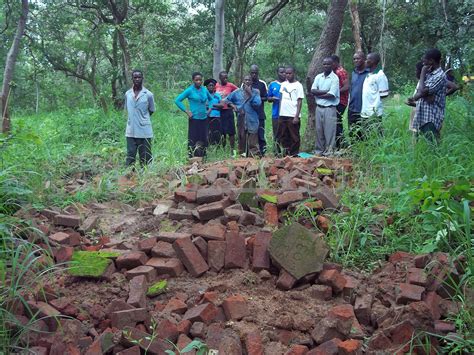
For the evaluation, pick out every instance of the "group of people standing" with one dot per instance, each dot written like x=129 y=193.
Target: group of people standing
x=212 y=104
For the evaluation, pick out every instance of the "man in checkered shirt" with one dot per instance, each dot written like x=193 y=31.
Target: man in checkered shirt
x=430 y=97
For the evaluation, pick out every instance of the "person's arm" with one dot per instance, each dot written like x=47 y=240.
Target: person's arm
x=255 y=100
x=299 y=103
x=151 y=104
x=422 y=91
x=270 y=96
x=345 y=83
x=382 y=83
x=451 y=88
x=264 y=91
x=179 y=102
x=318 y=92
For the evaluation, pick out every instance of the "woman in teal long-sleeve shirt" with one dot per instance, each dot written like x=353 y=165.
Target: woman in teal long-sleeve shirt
x=198 y=128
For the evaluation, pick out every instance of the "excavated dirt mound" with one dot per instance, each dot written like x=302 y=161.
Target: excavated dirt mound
x=222 y=237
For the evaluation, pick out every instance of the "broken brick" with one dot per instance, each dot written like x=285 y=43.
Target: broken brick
x=137 y=291
x=171 y=237
x=362 y=308
x=216 y=254
x=148 y=271
x=184 y=326
x=270 y=214
x=134 y=350
x=235 y=307
x=260 y=255
x=175 y=305
x=444 y=327
x=289 y=197
x=146 y=245
x=201 y=244
x=212 y=210
x=131 y=260
x=129 y=317
x=433 y=300
x=166 y=266
x=46 y=312
x=253 y=343
x=67 y=220
x=190 y=257
x=401 y=333
x=198 y=330
x=167 y=330
x=409 y=293
x=60 y=238
x=163 y=250
x=334 y=279
x=417 y=277
x=205 y=313
x=321 y=292
x=422 y=260
x=285 y=281
x=400 y=256
x=329 y=347
x=209 y=231
x=235 y=252
x=185 y=196
x=208 y=195
x=179 y=214
x=63 y=254
x=349 y=288
x=297 y=349
x=153 y=346
x=350 y=347
x=379 y=342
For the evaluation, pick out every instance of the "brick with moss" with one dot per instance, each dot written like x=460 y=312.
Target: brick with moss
x=91 y=263
x=157 y=288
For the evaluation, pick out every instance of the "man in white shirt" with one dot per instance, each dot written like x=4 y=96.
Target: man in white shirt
x=292 y=95
x=375 y=88
x=326 y=89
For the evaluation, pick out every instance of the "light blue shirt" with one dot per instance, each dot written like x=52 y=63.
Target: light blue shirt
x=331 y=83
x=139 y=110
x=216 y=98
x=197 y=98
x=249 y=107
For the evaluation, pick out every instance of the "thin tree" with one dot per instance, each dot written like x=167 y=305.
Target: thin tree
x=356 y=25
x=219 y=30
x=326 y=46
x=10 y=66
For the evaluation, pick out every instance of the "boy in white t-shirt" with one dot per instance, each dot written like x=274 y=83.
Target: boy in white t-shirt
x=375 y=88
x=292 y=95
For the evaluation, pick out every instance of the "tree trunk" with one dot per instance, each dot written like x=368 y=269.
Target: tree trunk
x=239 y=63
x=219 y=30
x=10 y=67
x=326 y=46
x=127 y=62
x=356 y=26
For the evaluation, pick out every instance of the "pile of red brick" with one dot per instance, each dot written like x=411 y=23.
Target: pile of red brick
x=226 y=222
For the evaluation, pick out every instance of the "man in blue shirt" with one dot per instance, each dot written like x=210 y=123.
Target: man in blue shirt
x=355 y=102
x=246 y=101
x=140 y=105
x=274 y=96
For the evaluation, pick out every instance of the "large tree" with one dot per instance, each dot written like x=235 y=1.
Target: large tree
x=326 y=46
x=219 y=30
x=10 y=66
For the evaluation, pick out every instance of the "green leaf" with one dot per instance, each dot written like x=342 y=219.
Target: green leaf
x=269 y=198
x=324 y=171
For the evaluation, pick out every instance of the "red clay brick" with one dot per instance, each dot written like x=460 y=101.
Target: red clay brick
x=137 y=289
x=216 y=254
x=67 y=220
x=205 y=313
x=402 y=333
x=288 y=197
x=417 y=277
x=179 y=214
x=253 y=343
x=297 y=349
x=185 y=196
x=285 y=281
x=334 y=279
x=134 y=350
x=184 y=326
x=409 y=293
x=166 y=266
x=235 y=307
x=208 y=195
x=131 y=260
x=321 y=292
x=444 y=327
x=433 y=300
x=171 y=237
x=175 y=305
x=270 y=214
x=209 y=231
x=146 y=245
x=363 y=308
x=329 y=347
x=163 y=250
x=260 y=255
x=133 y=336
x=350 y=347
x=212 y=210
x=349 y=288
x=148 y=271
x=63 y=254
x=400 y=256
x=422 y=260
x=130 y=317
x=201 y=244
x=235 y=251
x=167 y=330
x=60 y=238
x=190 y=257
x=379 y=342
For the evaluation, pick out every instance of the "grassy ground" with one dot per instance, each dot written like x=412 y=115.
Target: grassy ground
x=413 y=197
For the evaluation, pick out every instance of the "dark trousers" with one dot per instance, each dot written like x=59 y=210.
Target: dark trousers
x=276 y=145
x=262 y=144
x=288 y=136
x=140 y=145
x=355 y=127
x=339 y=127
x=215 y=129
x=198 y=137
x=429 y=131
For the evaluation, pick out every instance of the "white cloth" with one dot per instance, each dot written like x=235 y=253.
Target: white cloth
x=330 y=83
x=290 y=93
x=375 y=87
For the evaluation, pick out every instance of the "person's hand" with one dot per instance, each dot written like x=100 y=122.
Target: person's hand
x=411 y=102
x=190 y=114
x=426 y=69
x=270 y=99
x=296 y=120
x=248 y=89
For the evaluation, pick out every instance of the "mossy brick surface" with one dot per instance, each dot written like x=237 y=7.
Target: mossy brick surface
x=90 y=263
x=157 y=288
x=297 y=250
